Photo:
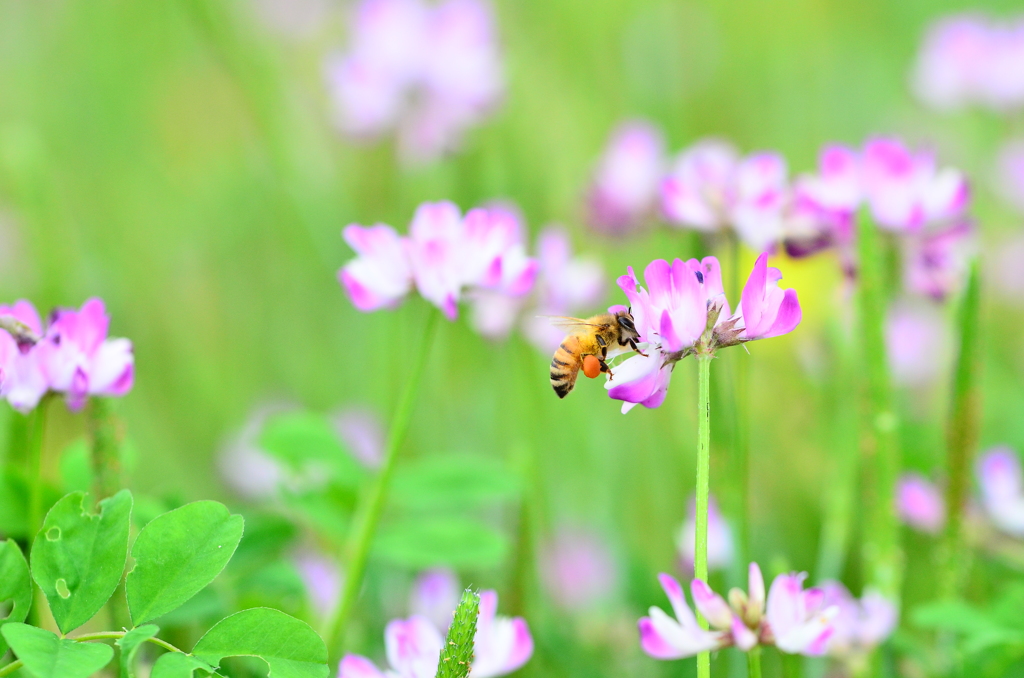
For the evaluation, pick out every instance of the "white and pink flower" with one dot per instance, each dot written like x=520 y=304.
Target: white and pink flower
x=793 y=619
x=919 y=504
x=624 y=189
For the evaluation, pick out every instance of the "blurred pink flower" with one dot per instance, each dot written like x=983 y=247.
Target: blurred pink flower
x=905 y=189
x=79 y=359
x=685 y=311
x=362 y=434
x=972 y=59
x=624 y=188
x=720 y=543
x=1010 y=173
x=710 y=188
x=321 y=577
x=920 y=504
x=1002 y=489
x=244 y=466
x=795 y=620
x=23 y=379
x=430 y=71
x=412 y=645
x=578 y=569
x=445 y=255
x=381 y=275
x=860 y=625
x=435 y=595
x=566 y=285
x=916 y=338
x=935 y=264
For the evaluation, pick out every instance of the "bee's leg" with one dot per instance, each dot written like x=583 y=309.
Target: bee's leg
x=632 y=345
x=604 y=368
x=604 y=356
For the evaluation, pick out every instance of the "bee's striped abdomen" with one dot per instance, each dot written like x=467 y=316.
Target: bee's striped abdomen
x=564 y=367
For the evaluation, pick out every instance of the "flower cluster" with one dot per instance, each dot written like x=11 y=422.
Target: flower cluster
x=444 y=256
x=70 y=355
x=793 y=619
x=429 y=71
x=413 y=645
x=970 y=59
x=859 y=626
x=711 y=188
x=684 y=311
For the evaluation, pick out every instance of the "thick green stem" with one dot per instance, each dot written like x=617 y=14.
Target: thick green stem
x=364 y=526
x=962 y=439
x=700 y=557
x=881 y=548
x=754 y=662
x=105 y=450
x=35 y=467
x=11 y=668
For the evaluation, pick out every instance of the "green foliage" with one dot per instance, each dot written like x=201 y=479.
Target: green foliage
x=75 y=467
x=304 y=438
x=457 y=653
x=78 y=557
x=980 y=629
x=449 y=540
x=45 y=655
x=178 y=665
x=15 y=585
x=13 y=503
x=453 y=482
x=177 y=555
x=289 y=647
x=130 y=643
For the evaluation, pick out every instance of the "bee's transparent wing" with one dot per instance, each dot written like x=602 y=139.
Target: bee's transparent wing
x=569 y=322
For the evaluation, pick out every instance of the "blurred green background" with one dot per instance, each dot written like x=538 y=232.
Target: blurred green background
x=177 y=159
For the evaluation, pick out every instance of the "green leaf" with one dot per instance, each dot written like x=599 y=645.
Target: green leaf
x=47 y=656
x=299 y=438
x=15 y=585
x=177 y=555
x=453 y=482
x=78 y=557
x=453 y=541
x=457 y=653
x=289 y=647
x=130 y=643
x=178 y=665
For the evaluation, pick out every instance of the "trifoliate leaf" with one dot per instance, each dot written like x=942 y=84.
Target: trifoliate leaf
x=47 y=656
x=78 y=557
x=289 y=647
x=177 y=555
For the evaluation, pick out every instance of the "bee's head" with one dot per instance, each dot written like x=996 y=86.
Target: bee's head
x=626 y=327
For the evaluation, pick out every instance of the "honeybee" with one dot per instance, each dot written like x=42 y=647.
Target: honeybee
x=586 y=347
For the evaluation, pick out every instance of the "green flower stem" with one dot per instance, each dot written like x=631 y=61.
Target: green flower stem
x=371 y=505
x=962 y=439
x=700 y=558
x=881 y=453
x=105 y=452
x=754 y=662
x=11 y=668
